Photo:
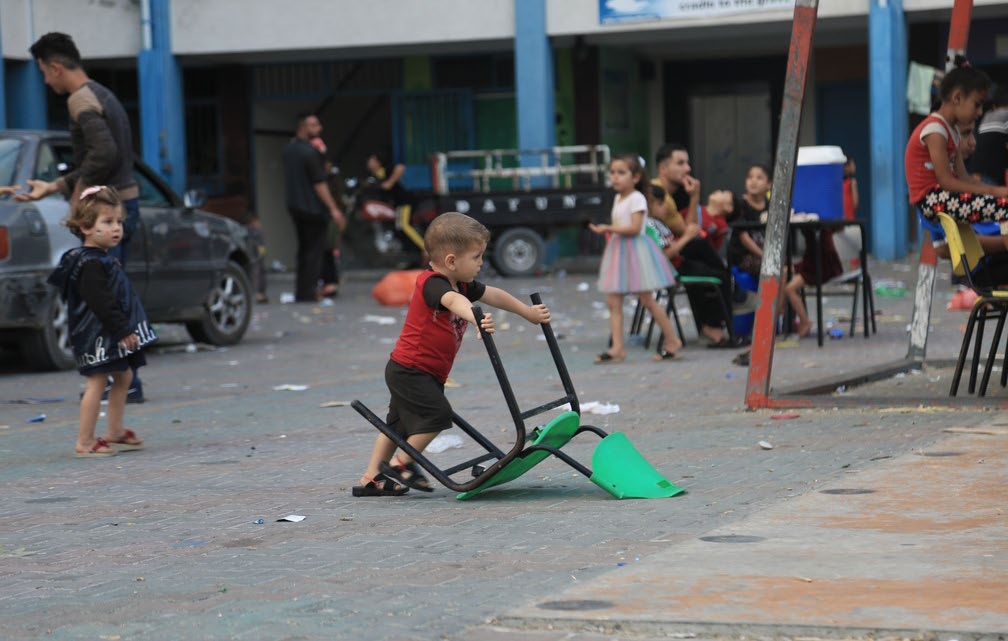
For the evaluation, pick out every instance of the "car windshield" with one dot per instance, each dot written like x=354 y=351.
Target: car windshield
x=10 y=154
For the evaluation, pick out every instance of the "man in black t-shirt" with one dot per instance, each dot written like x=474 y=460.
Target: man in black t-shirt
x=310 y=204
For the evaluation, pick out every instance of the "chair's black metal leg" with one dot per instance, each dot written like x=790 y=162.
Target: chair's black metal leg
x=853 y=310
x=963 y=351
x=638 y=319
x=977 y=344
x=818 y=284
x=992 y=354
x=670 y=310
x=562 y=456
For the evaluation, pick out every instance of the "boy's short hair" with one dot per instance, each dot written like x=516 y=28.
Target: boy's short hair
x=56 y=47
x=452 y=232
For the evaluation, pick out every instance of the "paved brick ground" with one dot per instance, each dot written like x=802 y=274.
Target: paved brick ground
x=162 y=544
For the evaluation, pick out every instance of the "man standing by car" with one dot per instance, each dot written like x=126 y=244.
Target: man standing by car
x=102 y=142
x=310 y=204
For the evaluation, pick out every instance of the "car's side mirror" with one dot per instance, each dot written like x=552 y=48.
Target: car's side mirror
x=194 y=198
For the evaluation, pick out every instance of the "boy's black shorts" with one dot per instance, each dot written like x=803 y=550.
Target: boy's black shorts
x=418 y=404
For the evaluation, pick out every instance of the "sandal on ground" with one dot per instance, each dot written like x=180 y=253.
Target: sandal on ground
x=330 y=289
x=742 y=359
x=94 y=450
x=415 y=480
x=127 y=442
x=665 y=355
x=605 y=358
x=380 y=485
x=727 y=343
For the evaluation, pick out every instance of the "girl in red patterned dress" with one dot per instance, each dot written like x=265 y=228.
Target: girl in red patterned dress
x=935 y=173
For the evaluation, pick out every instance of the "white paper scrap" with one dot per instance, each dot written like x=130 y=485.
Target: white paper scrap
x=381 y=320
x=597 y=407
x=287 y=387
x=444 y=442
x=293 y=518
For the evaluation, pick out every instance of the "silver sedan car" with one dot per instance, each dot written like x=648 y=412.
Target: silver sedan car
x=188 y=266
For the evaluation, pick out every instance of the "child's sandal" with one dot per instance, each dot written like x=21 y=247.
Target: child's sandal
x=415 y=480
x=380 y=485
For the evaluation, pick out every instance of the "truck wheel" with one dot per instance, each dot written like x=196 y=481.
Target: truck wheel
x=518 y=252
x=49 y=348
x=227 y=310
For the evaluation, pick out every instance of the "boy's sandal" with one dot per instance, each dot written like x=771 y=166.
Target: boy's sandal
x=415 y=480
x=93 y=451
x=379 y=486
x=128 y=442
x=665 y=355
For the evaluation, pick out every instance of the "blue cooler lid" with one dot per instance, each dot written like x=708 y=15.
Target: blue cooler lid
x=821 y=155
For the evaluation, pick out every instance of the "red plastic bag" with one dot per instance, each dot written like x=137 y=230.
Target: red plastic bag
x=396 y=288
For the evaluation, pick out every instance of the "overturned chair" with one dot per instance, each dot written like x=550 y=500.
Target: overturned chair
x=617 y=466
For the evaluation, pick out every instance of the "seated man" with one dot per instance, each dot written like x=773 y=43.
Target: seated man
x=389 y=181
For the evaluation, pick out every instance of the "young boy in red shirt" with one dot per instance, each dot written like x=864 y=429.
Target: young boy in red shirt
x=438 y=315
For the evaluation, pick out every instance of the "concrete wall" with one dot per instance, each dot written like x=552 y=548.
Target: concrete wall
x=102 y=29
x=204 y=27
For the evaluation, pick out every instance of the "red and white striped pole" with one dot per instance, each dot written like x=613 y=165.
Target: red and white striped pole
x=765 y=329
x=962 y=12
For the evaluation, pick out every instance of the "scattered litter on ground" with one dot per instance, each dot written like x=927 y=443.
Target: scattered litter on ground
x=444 y=442
x=597 y=407
x=36 y=401
x=787 y=343
x=890 y=288
x=381 y=320
x=292 y=518
x=765 y=445
x=583 y=287
x=990 y=431
x=287 y=387
x=286 y=298
x=258 y=521
x=334 y=404
x=784 y=417
x=4 y=427
x=35 y=419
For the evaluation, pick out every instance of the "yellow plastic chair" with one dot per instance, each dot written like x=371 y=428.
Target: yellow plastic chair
x=967 y=258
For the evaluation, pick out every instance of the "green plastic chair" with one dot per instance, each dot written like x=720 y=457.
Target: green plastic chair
x=617 y=466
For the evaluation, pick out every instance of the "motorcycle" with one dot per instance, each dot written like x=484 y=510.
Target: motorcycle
x=380 y=233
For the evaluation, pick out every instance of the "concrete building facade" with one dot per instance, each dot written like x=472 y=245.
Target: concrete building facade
x=213 y=86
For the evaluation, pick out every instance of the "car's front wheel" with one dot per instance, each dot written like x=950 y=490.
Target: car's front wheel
x=227 y=310
x=49 y=348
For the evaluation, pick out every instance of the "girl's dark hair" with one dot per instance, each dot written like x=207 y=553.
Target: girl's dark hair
x=966 y=79
x=766 y=170
x=634 y=164
x=85 y=212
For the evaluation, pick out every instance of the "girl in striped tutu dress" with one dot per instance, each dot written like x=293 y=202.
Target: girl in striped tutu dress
x=632 y=262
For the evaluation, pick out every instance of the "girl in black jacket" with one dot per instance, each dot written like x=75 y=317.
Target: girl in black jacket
x=108 y=326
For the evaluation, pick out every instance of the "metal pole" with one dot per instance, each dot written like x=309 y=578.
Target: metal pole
x=962 y=12
x=761 y=358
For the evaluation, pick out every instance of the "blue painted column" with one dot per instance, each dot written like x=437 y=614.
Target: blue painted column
x=162 y=107
x=887 y=63
x=3 y=90
x=26 y=96
x=534 y=78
